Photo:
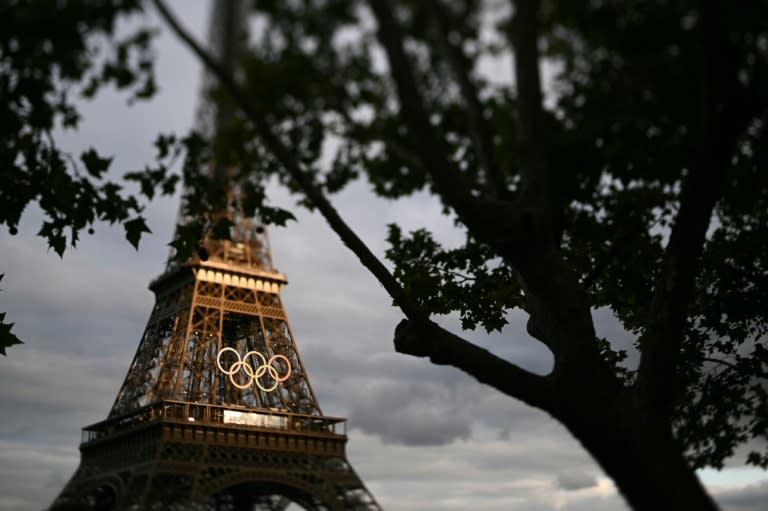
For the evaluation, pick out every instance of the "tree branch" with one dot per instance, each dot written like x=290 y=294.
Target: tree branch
x=557 y=303
x=482 y=139
x=445 y=348
x=486 y=217
x=721 y=362
x=723 y=116
x=535 y=180
x=442 y=346
x=520 y=233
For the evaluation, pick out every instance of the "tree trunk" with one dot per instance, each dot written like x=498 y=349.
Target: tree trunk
x=648 y=468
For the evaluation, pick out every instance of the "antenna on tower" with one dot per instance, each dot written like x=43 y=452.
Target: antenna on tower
x=227 y=33
x=227 y=36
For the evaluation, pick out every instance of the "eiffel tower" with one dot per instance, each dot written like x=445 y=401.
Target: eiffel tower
x=217 y=411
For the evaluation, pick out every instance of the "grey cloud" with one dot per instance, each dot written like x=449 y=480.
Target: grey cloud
x=54 y=285
x=48 y=397
x=30 y=475
x=534 y=456
x=478 y=474
x=594 y=503
x=399 y=397
x=394 y=411
x=575 y=481
x=749 y=498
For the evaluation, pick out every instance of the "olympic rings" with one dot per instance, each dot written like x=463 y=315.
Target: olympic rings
x=265 y=367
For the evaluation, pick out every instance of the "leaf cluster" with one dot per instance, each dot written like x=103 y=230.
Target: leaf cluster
x=469 y=279
x=51 y=54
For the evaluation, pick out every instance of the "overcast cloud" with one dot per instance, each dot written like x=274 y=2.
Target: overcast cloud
x=422 y=437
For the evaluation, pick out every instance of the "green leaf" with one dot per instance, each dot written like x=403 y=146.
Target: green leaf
x=7 y=338
x=275 y=216
x=133 y=230
x=94 y=164
x=58 y=243
x=163 y=144
x=169 y=185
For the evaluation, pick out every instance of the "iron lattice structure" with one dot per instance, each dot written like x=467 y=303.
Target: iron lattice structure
x=181 y=435
x=217 y=411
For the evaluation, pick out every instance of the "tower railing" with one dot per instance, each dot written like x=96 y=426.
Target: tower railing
x=214 y=415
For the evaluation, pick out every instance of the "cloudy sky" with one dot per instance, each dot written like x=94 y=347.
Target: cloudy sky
x=422 y=437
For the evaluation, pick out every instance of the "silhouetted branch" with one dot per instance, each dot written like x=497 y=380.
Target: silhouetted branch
x=723 y=116
x=481 y=136
x=721 y=361
x=535 y=175
x=445 y=348
x=486 y=217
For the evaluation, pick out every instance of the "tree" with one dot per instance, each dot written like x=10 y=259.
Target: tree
x=639 y=185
